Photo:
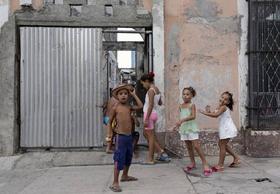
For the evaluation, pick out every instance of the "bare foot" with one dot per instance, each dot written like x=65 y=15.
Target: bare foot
x=109 y=151
x=236 y=162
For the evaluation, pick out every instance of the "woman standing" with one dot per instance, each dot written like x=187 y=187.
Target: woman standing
x=152 y=102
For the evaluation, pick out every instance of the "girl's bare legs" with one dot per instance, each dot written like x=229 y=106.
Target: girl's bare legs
x=197 y=147
x=157 y=146
x=234 y=155
x=149 y=135
x=190 y=151
x=222 y=144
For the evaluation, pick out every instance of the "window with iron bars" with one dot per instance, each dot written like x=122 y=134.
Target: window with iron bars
x=264 y=64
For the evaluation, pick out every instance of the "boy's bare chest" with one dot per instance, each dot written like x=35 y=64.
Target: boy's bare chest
x=123 y=111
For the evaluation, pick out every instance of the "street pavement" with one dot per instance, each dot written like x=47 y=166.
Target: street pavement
x=92 y=172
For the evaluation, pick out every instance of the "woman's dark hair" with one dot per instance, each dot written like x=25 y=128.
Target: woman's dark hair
x=230 y=98
x=148 y=76
x=191 y=89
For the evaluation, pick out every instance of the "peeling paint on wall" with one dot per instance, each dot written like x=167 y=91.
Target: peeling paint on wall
x=264 y=133
x=173 y=45
x=243 y=62
x=159 y=66
x=262 y=143
x=206 y=9
x=202 y=51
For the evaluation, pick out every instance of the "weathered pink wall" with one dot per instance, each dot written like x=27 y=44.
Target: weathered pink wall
x=37 y=4
x=201 y=50
x=148 y=4
x=15 y=5
x=201 y=40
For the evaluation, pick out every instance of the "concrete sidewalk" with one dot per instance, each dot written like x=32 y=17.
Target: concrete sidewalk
x=165 y=179
x=254 y=176
x=92 y=172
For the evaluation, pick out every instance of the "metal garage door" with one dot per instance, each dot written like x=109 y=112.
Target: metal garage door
x=60 y=87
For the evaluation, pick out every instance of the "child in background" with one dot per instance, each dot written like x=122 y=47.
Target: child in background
x=227 y=129
x=121 y=112
x=135 y=134
x=188 y=130
x=150 y=110
x=106 y=111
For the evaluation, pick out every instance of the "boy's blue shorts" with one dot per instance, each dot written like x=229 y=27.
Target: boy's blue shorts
x=123 y=151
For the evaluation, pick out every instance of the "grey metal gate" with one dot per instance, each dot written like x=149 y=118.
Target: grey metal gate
x=60 y=87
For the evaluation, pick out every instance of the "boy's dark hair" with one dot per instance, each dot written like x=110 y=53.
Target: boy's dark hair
x=230 y=98
x=149 y=76
x=191 y=89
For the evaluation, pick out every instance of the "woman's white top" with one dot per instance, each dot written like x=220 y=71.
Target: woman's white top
x=156 y=101
x=227 y=128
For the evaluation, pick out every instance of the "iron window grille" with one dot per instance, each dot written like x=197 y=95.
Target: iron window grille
x=264 y=64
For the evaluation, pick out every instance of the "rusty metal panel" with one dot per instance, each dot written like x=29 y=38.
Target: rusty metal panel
x=60 y=87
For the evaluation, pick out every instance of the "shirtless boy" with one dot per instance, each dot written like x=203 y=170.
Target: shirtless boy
x=121 y=112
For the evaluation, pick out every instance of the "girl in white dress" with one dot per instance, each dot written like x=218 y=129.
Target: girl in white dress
x=227 y=129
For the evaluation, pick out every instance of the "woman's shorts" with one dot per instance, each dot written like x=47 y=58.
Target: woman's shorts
x=152 y=120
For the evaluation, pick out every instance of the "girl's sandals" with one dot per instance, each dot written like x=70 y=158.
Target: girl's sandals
x=217 y=169
x=189 y=168
x=163 y=157
x=115 y=188
x=207 y=172
x=235 y=164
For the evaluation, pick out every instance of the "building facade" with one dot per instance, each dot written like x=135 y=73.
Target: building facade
x=211 y=45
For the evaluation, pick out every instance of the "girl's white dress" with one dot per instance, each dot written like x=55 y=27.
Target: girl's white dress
x=227 y=129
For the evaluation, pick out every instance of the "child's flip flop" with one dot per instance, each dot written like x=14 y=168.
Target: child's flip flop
x=217 y=169
x=207 y=172
x=163 y=158
x=129 y=179
x=115 y=188
x=235 y=164
x=189 y=168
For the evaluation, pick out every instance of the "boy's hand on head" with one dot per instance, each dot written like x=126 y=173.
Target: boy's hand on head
x=132 y=92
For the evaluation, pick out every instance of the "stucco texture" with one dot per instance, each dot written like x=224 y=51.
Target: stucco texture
x=201 y=47
x=202 y=38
